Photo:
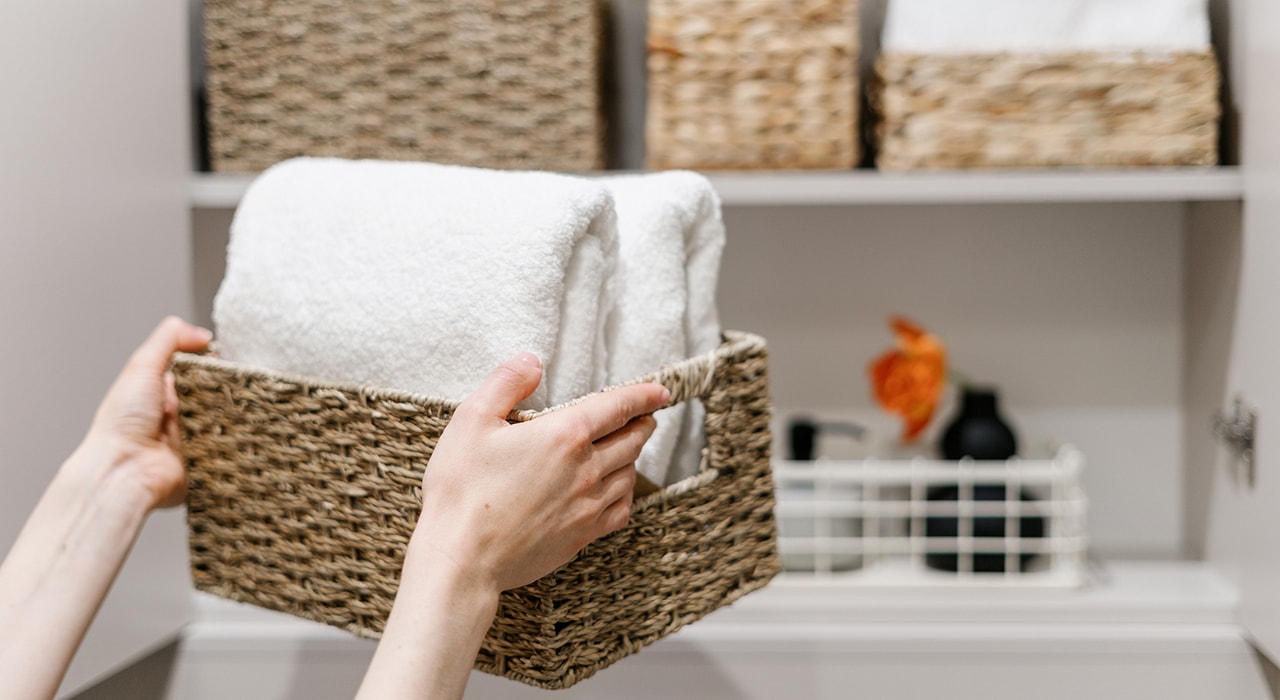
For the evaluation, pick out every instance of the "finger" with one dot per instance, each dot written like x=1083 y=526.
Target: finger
x=617 y=484
x=172 y=335
x=621 y=447
x=615 y=517
x=170 y=419
x=606 y=412
x=512 y=382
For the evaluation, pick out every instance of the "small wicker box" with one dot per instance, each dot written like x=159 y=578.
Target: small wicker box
x=303 y=497
x=752 y=84
x=1083 y=109
x=512 y=84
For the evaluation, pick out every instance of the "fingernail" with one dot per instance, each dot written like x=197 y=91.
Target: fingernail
x=205 y=334
x=531 y=360
x=666 y=396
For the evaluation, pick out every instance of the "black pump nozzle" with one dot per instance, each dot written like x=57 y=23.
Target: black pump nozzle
x=802 y=436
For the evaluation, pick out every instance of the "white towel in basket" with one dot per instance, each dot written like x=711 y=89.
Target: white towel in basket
x=947 y=26
x=670 y=238
x=419 y=277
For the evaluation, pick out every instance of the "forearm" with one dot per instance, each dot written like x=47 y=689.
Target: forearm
x=60 y=569
x=434 y=632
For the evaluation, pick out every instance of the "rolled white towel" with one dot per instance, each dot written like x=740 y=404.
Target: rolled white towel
x=670 y=238
x=419 y=277
x=986 y=26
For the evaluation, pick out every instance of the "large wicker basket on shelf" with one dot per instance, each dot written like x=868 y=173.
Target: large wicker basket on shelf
x=1087 y=109
x=752 y=84
x=513 y=84
x=303 y=497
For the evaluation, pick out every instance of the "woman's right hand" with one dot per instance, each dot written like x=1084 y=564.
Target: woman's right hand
x=502 y=506
x=513 y=502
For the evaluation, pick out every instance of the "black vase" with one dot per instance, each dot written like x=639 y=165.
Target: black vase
x=978 y=432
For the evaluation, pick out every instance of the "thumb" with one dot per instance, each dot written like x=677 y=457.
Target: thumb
x=171 y=335
x=512 y=382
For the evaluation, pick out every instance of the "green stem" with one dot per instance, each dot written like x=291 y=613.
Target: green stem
x=961 y=380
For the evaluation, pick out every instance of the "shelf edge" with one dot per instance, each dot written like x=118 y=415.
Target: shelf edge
x=869 y=188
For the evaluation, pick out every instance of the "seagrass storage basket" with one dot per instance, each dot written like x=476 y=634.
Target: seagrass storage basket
x=303 y=497
x=752 y=84
x=1082 y=109
x=513 y=84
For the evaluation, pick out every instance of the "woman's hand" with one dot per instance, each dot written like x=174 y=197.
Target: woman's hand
x=72 y=547
x=136 y=425
x=504 y=505
x=515 y=502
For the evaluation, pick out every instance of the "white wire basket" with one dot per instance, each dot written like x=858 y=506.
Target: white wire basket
x=925 y=522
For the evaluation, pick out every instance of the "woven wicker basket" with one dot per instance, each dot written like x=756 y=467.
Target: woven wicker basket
x=752 y=84
x=303 y=497
x=513 y=84
x=1015 y=110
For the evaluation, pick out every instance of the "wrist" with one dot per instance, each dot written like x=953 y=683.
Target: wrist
x=443 y=609
x=97 y=471
x=439 y=588
x=463 y=579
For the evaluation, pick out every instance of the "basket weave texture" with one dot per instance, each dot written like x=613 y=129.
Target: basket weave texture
x=303 y=497
x=1085 y=109
x=752 y=84
x=512 y=84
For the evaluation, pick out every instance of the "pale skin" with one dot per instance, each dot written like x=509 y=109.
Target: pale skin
x=503 y=505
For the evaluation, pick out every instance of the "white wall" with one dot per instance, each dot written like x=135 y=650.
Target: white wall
x=94 y=241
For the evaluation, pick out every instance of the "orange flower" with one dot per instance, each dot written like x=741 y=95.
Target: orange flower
x=909 y=379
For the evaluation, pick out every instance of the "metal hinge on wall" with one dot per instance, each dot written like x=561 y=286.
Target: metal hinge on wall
x=1236 y=431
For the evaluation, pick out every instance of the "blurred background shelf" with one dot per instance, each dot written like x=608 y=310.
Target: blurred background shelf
x=1119 y=593
x=223 y=191
x=1145 y=627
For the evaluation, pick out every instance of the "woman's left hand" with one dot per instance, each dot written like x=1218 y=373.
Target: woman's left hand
x=137 y=422
x=64 y=561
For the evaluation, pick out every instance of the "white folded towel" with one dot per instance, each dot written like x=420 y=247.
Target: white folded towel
x=984 y=26
x=670 y=238
x=420 y=277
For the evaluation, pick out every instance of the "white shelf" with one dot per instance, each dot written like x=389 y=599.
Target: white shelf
x=871 y=187
x=1119 y=592
x=1161 y=593
x=215 y=191
x=867 y=187
x=1162 y=630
